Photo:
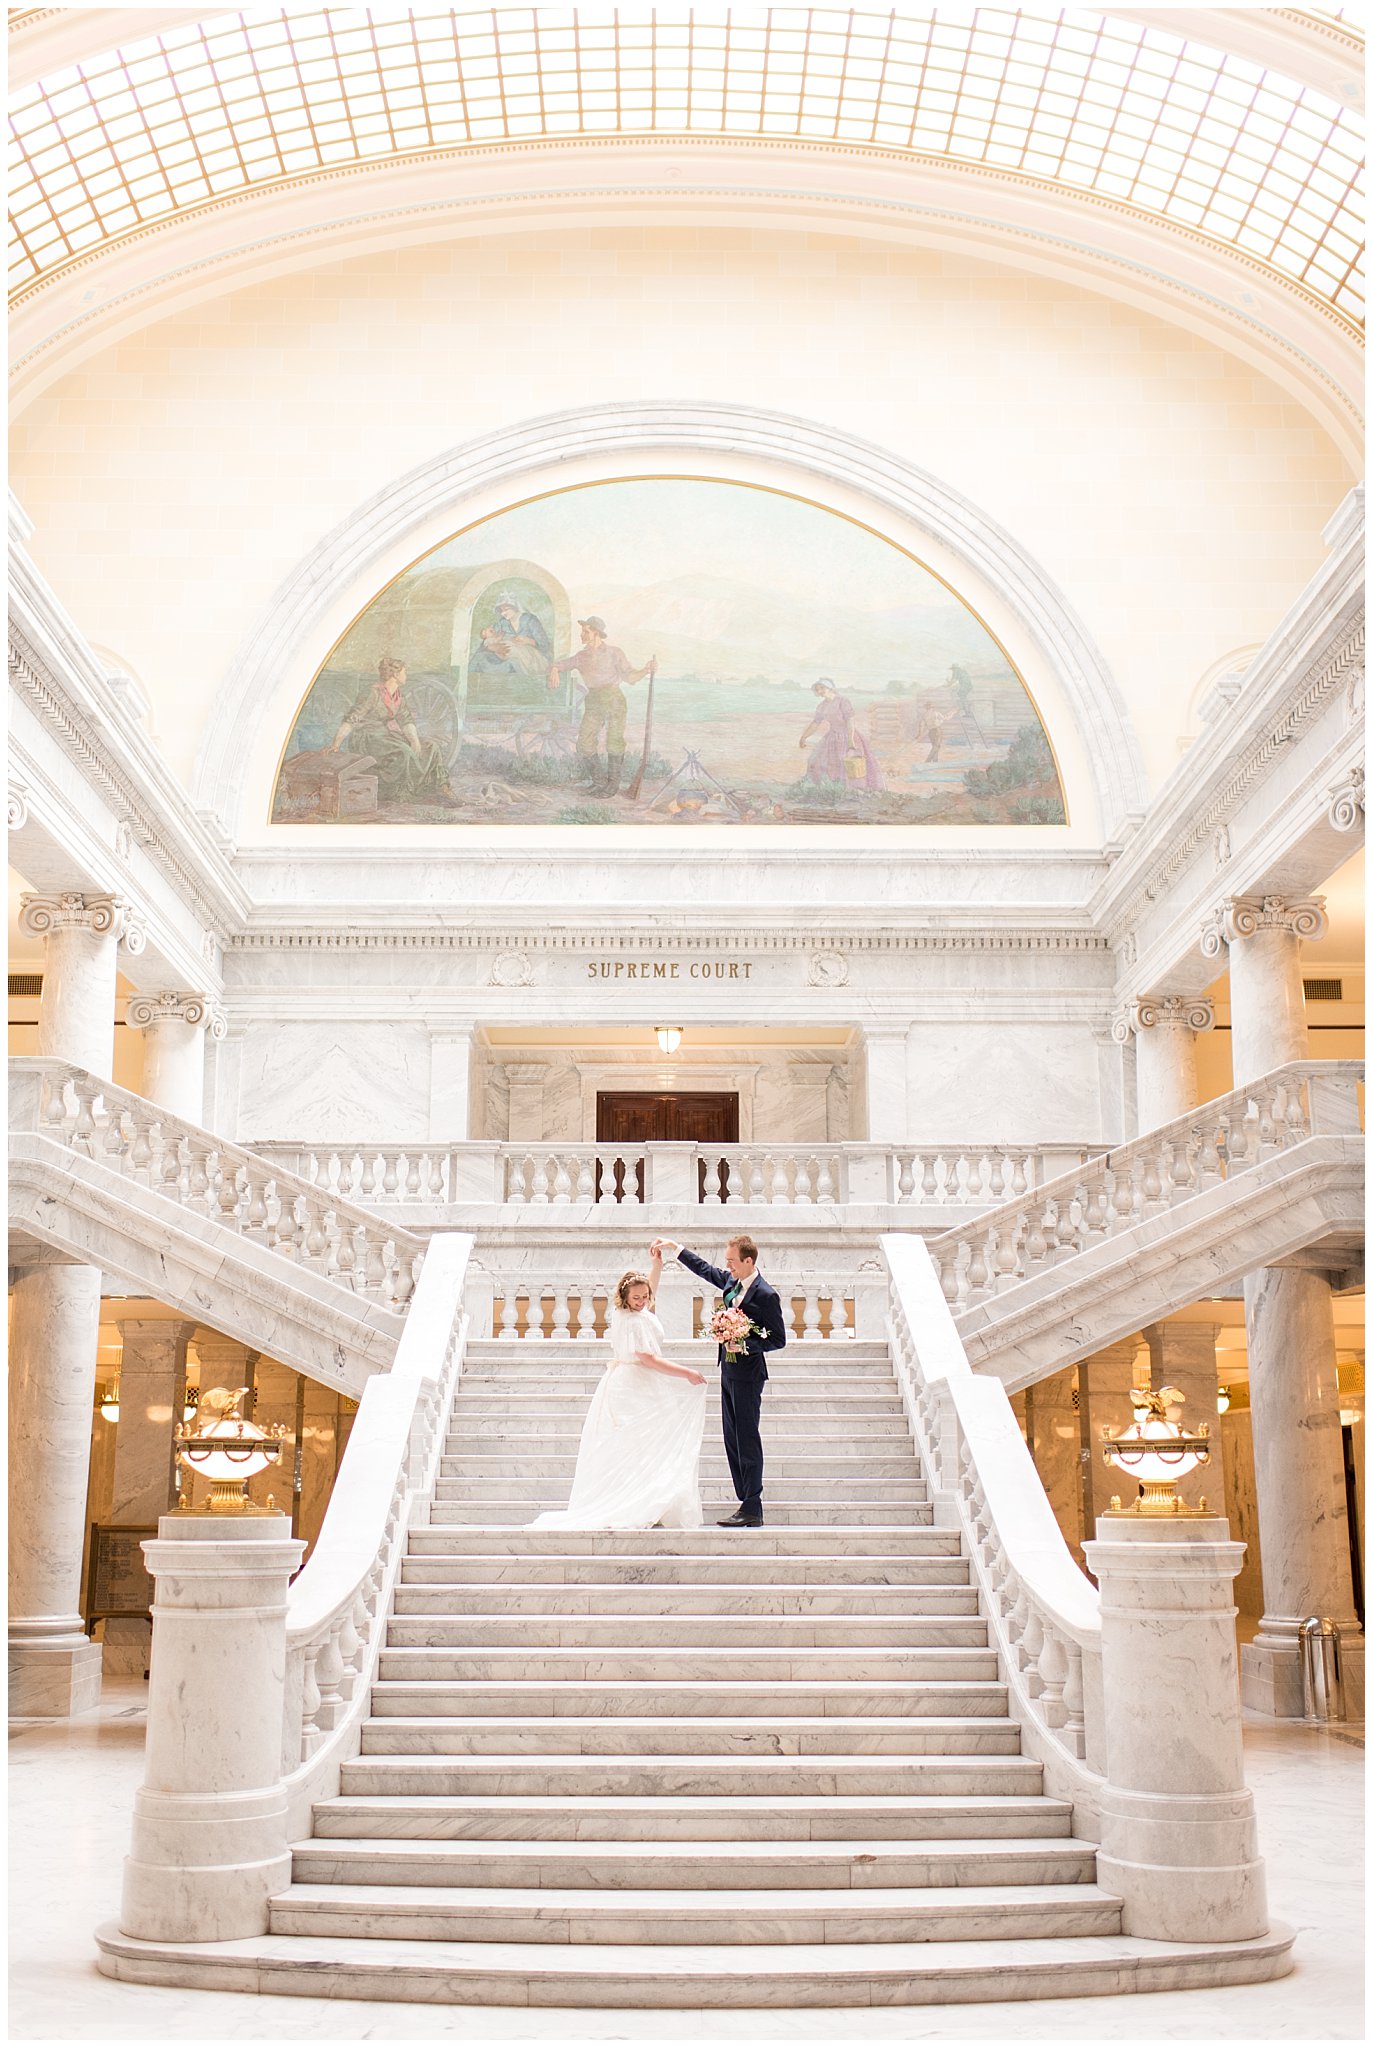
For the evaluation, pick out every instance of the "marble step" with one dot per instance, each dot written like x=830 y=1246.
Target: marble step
x=516 y=1514
x=589 y=1576
x=785 y=1408
x=581 y=1376
x=674 y=1631
x=858 y=1863
x=765 y=1602
x=497 y=1820
x=783 y=1463
x=609 y=1698
x=526 y=1733
x=602 y=1546
x=573 y=1972
x=799 y=1354
x=657 y=1662
x=656 y=1777
x=782 y=1488
x=517 y=1422
x=729 y=1918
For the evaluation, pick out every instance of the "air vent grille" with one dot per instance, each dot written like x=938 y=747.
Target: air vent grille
x=26 y=984
x=1329 y=991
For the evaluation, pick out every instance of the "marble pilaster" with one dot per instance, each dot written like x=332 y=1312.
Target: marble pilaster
x=884 y=1070
x=54 y=1669
x=1267 y=1005
x=808 y=1103
x=1183 y=1355
x=1164 y=1030
x=450 y=1083
x=1053 y=1432
x=175 y=1027
x=526 y=1082
x=1104 y=1382
x=1299 y=1476
x=152 y=1381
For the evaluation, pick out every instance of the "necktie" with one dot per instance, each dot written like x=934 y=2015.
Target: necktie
x=732 y=1293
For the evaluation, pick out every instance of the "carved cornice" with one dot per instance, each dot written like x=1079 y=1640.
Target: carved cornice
x=1241 y=917
x=71 y=911
x=177 y=1006
x=1167 y=1013
x=653 y=941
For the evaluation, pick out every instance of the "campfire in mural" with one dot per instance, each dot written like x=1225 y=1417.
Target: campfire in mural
x=668 y=651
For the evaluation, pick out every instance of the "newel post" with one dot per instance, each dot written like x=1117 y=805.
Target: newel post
x=210 y=1842
x=1178 y=1840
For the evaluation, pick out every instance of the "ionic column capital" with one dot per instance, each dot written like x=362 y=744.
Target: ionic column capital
x=72 y=910
x=1347 y=802
x=18 y=806
x=1167 y=1013
x=1240 y=917
x=177 y=1006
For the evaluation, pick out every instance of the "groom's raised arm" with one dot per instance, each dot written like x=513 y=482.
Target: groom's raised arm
x=703 y=1269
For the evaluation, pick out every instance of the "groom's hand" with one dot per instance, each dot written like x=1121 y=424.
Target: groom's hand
x=667 y=1248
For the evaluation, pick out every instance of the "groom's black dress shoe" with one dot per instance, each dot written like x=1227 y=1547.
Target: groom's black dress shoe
x=741 y=1521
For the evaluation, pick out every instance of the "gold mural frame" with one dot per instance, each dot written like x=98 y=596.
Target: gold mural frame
x=650 y=477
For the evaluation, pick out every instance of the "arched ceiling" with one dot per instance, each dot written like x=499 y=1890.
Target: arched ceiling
x=173 y=159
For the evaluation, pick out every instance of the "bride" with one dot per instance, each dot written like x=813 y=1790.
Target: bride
x=641 y=1441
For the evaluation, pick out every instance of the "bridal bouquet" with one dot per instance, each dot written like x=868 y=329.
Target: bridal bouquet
x=730 y=1327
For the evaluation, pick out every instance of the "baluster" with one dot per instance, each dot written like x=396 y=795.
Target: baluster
x=1032 y=1648
x=979 y=1271
x=115 y=1142
x=544 y=1172
x=803 y=1180
x=905 y=1176
x=973 y=1165
x=947 y=1270
x=560 y=1311
x=1074 y=1703
x=1268 y=1123
x=314 y=1237
x=1009 y=1264
x=350 y=1646
x=198 y=1177
x=413 y=1164
x=810 y=1309
x=145 y=1153
x=1210 y=1166
x=1182 y=1169
x=997 y=1178
x=1036 y=1243
x=311 y=1729
x=963 y=1290
x=284 y=1230
x=824 y=1179
x=1150 y=1179
x=347 y=1174
x=1020 y=1176
x=586 y=1179
x=1123 y=1197
x=755 y=1178
x=929 y=1180
x=389 y=1162
x=576 y=1312
x=562 y=1181
x=83 y=1134
x=255 y=1220
x=1236 y=1137
x=510 y=1312
x=1053 y=1670
x=329 y=1679
x=374 y=1264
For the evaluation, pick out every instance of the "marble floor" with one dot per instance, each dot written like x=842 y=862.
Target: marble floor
x=71 y=1794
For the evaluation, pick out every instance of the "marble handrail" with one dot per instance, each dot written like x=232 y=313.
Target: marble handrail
x=791 y=1174
x=1043 y=1612
x=1125 y=1186
x=212 y=1177
x=337 y=1608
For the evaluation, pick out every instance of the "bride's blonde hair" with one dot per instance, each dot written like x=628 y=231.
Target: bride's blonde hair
x=625 y=1282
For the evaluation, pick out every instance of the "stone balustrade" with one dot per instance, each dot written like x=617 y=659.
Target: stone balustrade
x=494 y=1176
x=1116 y=1190
x=337 y=1608
x=257 y=1198
x=514 y=1303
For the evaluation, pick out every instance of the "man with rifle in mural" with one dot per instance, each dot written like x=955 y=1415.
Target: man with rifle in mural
x=603 y=669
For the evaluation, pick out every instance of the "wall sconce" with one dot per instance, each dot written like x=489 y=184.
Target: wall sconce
x=669 y=1037
x=109 y=1401
x=192 y=1402
x=1157 y=1451
x=1222 y=1400
x=228 y=1451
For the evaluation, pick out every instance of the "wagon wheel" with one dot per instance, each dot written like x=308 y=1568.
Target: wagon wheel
x=547 y=739
x=436 y=717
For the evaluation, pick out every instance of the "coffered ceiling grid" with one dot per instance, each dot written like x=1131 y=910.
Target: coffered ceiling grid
x=1126 y=112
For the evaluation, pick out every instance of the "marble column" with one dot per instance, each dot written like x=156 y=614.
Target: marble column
x=175 y=1026
x=450 y=1083
x=1164 y=1030
x=152 y=1385
x=884 y=1062
x=1183 y=1355
x=526 y=1082
x=1053 y=1433
x=1104 y=1382
x=54 y=1667
x=1299 y=1478
x=1263 y=935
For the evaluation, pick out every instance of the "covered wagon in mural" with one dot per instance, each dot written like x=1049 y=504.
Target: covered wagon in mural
x=668 y=650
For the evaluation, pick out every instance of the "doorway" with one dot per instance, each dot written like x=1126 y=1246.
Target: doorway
x=635 y=1117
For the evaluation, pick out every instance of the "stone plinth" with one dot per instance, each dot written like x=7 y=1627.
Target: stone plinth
x=1178 y=1841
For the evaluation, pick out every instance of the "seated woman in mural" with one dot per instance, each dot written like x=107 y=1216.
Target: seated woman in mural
x=526 y=638
x=382 y=724
x=842 y=753
x=641 y=1441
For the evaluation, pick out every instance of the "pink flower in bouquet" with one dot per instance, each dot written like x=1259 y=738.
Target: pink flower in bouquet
x=730 y=1327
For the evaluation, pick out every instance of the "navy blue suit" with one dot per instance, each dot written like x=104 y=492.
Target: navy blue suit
x=743 y=1377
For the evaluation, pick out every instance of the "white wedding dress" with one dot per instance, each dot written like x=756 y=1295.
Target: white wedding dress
x=641 y=1441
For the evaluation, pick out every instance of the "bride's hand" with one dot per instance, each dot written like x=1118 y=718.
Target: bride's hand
x=697 y=1379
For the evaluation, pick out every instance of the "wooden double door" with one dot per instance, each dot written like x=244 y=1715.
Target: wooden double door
x=636 y=1117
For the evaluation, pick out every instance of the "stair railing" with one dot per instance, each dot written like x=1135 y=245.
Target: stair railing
x=1154 y=1173
x=338 y=1606
x=1043 y=1612
x=210 y=1176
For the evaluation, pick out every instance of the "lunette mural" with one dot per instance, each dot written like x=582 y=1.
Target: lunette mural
x=668 y=650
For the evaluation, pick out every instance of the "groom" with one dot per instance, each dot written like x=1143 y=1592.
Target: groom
x=742 y=1376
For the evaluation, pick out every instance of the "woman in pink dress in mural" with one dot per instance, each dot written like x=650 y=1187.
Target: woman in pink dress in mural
x=840 y=738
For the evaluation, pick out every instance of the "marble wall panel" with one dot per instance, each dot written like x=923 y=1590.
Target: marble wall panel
x=1003 y=1083
x=323 y=1083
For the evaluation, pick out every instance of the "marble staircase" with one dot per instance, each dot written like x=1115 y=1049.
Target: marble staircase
x=728 y=1768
